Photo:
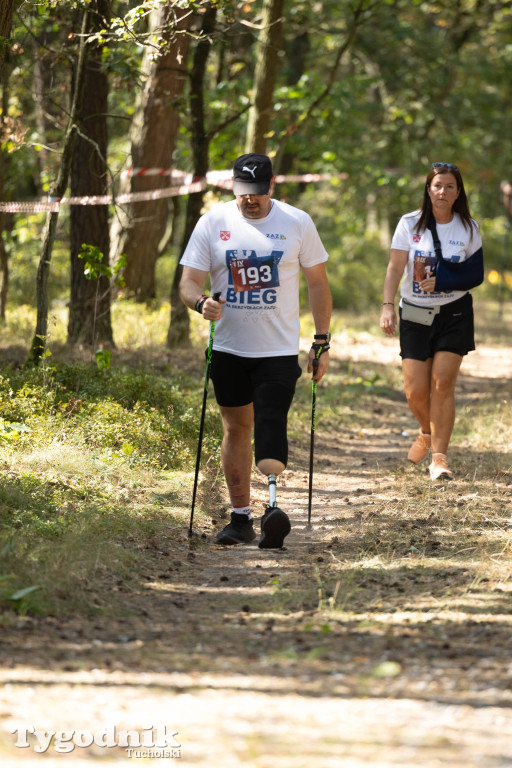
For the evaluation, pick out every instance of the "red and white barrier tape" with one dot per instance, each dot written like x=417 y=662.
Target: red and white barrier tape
x=189 y=184
x=213 y=177
x=52 y=206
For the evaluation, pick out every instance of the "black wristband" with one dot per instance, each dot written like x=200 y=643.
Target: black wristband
x=322 y=337
x=200 y=304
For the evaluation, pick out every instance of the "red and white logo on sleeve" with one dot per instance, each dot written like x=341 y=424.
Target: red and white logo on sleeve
x=225 y=235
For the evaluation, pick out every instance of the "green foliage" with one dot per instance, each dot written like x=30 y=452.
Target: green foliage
x=23 y=246
x=95 y=265
x=358 y=258
x=104 y=409
x=103 y=359
x=11 y=431
x=418 y=81
x=83 y=452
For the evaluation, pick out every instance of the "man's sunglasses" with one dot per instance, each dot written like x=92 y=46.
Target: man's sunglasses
x=450 y=166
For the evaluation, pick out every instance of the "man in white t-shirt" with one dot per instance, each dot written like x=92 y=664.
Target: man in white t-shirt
x=253 y=248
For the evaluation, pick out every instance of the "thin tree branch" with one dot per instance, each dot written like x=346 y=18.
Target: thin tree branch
x=220 y=127
x=356 y=21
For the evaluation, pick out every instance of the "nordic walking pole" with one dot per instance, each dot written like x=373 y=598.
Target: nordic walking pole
x=215 y=297
x=312 y=442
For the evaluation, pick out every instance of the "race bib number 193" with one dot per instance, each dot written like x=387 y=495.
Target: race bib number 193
x=251 y=273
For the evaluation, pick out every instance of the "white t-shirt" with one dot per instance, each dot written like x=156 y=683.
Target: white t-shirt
x=255 y=264
x=457 y=244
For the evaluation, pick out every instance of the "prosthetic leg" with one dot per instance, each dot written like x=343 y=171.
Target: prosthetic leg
x=271 y=405
x=275 y=524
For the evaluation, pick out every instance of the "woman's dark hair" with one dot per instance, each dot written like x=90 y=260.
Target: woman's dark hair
x=460 y=206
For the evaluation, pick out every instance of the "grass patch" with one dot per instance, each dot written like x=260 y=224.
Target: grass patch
x=94 y=465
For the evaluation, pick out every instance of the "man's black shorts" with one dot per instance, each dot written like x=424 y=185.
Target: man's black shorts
x=451 y=331
x=235 y=378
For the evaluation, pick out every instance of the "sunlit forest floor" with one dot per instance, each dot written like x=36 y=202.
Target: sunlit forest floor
x=382 y=636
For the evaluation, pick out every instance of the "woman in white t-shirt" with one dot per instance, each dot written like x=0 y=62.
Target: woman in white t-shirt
x=436 y=328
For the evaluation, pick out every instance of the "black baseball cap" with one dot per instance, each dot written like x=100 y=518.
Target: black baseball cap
x=252 y=174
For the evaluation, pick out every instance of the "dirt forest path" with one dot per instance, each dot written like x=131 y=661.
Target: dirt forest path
x=367 y=641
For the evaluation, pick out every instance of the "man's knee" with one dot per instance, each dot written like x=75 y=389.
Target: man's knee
x=237 y=423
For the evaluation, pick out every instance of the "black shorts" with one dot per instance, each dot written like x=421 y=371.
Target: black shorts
x=234 y=378
x=452 y=331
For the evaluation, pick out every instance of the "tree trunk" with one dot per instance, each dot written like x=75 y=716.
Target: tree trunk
x=179 y=327
x=267 y=66
x=6 y=13
x=4 y=269
x=138 y=231
x=40 y=119
x=89 y=309
x=57 y=191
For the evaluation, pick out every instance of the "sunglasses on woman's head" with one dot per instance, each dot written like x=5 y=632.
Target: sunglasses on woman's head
x=450 y=166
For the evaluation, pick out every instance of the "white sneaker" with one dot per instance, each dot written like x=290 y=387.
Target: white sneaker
x=439 y=468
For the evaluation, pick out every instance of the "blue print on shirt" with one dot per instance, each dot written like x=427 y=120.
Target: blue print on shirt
x=248 y=271
x=252 y=278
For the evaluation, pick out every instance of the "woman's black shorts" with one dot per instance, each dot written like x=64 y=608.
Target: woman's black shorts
x=236 y=378
x=451 y=331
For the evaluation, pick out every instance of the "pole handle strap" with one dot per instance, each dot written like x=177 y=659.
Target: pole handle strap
x=319 y=349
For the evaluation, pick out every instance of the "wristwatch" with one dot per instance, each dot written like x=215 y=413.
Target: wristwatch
x=322 y=337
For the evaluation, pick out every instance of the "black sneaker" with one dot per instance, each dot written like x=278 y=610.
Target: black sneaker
x=239 y=531
x=275 y=525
